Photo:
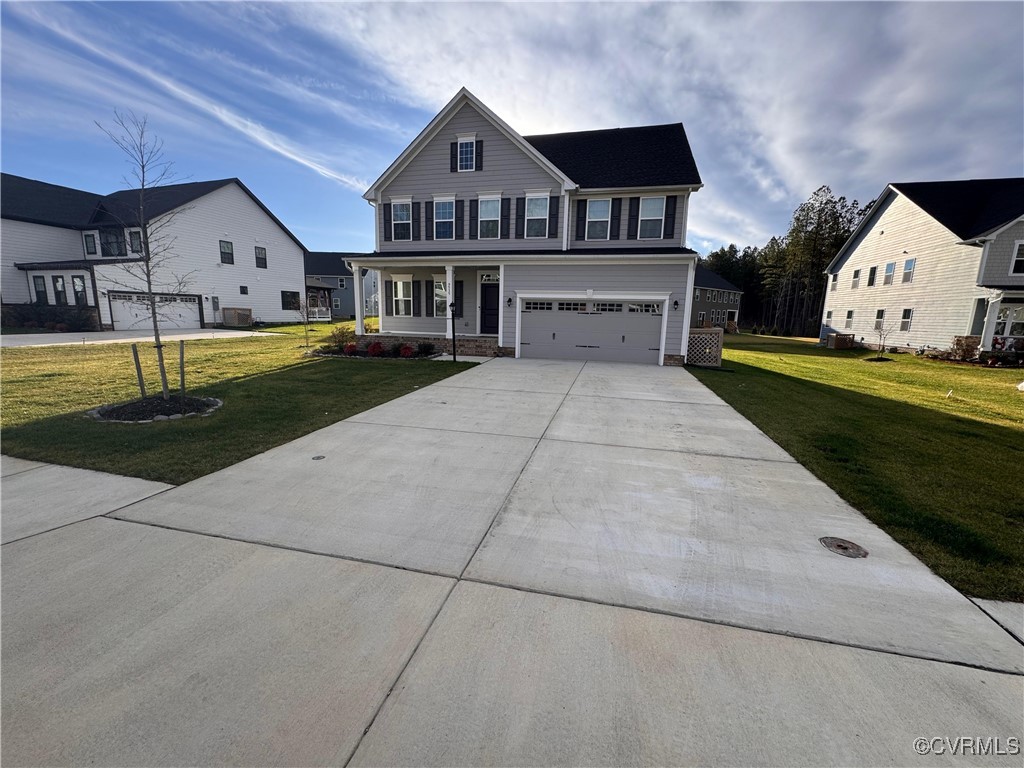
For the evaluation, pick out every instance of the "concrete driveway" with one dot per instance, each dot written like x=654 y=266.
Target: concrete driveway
x=530 y=563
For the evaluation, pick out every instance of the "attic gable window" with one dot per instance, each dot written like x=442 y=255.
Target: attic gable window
x=598 y=217
x=467 y=155
x=652 y=217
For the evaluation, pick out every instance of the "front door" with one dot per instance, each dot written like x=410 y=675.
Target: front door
x=489 y=295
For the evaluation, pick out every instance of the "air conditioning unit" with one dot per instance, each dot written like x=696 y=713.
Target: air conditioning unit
x=236 y=317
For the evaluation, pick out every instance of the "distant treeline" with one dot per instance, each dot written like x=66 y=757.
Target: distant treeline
x=783 y=281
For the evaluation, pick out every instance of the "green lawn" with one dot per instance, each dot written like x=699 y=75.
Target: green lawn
x=932 y=452
x=272 y=394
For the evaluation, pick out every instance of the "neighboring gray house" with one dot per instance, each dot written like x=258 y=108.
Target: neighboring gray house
x=716 y=301
x=934 y=260
x=567 y=245
x=62 y=246
x=329 y=268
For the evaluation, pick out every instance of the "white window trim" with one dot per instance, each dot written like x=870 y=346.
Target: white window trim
x=445 y=199
x=460 y=139
x=396 y=280
x=480 y=294
x=879 y=318
x=1018 y=245
x=128 y=240
x=855 y=279
x=96 y=244
x=908 y=320
x=487 y=196
x=526 y=217
x=608 y=221
x=888 y=278
x=911 y=271
x=401 y=201
x=848 y=322
x=342 y=284
x=641 y=219
x=828 y=318
x=443 y=280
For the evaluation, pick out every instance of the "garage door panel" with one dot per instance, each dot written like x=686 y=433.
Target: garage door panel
x=607 y=336
x=129 y=313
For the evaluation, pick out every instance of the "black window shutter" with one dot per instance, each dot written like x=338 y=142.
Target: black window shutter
x=455 y=156
x=520 y=217
x=458 y=298
x=633 y=222
x=506 y=210
x=428 y=220
x=553 y=216
x=415 y=298
x=616 y=219
x=581 y=219
x=479 y=165
x=387 y=222
x=428 y=296
x=670 y=216
x=389 y=308
x=459 y=220
x=415 y=221
x=474 y=212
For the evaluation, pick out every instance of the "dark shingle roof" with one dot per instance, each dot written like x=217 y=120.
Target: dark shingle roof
x=120 y=207
x=969 y=208
x=329 y=263
x=705 y=278
x=41 y=203
x=648 y=156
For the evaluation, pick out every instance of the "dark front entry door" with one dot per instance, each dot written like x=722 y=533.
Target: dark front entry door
x=489 y=308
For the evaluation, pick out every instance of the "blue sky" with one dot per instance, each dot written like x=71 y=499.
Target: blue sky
x=308 y=103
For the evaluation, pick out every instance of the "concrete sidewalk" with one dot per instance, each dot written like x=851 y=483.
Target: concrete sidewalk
x=530 y=563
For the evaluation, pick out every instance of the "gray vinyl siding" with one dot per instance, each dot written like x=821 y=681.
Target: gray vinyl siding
x=942 y=293
x=435 y=325
x=706 y=305
x=21 y=241
x=506 y=168
x=599 y=277
x=1000 y=252
x=623 y=242
x=347 y=297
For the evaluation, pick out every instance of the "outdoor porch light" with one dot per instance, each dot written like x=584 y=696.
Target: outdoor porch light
x=675 y=304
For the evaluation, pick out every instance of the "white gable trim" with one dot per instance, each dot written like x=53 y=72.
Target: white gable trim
x=889 y=188
x=460 y=99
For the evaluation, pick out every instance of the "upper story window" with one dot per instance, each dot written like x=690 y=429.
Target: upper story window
x=652 y=217
x=598 y=218
x=261 y=257
x=89 y=238
x=855 y=283
x=444 y=219
x=872 y=273
x=227 y=252
x=908 y=270
x=490 y=217
x=341 y=282
x=890 y=270
x=835 y=282
x=135 y=240
x=1017 y=263
x=696 y=294
x=537 y=216
x=467 y=155
x=401 y=221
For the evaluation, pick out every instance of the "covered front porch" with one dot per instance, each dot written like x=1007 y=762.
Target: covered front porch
x=1004 y=323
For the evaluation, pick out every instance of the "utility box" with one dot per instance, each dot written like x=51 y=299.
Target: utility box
x=236 y=317
x=840 y=341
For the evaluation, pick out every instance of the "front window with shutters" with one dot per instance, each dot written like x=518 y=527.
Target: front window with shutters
x=467 y=155
x=652 y=217
x=490 y=215
x=402 y=299
x=401 y=221
x=444 y=219
x=537 y=216
x=598 y=219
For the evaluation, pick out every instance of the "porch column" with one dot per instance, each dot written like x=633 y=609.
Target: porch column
x=990 y=323
x=449 y=279
x=357 y=297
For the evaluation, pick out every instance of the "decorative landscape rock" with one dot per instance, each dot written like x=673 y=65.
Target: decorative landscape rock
x=155 y=408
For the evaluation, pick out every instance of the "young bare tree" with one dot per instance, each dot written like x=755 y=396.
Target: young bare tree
x=882 y=331
x=152 y=273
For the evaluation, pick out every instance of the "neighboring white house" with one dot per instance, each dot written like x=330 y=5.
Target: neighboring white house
x=934 y=260
x=569 y=246
x=63 y=246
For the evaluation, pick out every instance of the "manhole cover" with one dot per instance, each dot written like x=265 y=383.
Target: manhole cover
x=843 y=547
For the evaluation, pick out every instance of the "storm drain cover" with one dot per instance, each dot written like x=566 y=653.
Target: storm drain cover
x=843 y=547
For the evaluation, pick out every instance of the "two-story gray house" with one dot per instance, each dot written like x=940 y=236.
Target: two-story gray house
x=716 y=301
x=329 y=267
x=933 y=260
x=568 y=245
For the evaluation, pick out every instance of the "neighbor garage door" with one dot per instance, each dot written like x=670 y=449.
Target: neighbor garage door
x=130 y=312
x=591 y=330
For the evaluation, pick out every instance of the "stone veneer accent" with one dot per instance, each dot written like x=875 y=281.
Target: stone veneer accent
x=484 y=346
x=674 y=360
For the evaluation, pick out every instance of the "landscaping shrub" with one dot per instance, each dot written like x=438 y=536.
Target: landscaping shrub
x=406 y=351
x=376 y=349
x=341 y=337
x=425 y=349
x=48 y=316
x=62 y=327
x=396 y=349
x=350 y=348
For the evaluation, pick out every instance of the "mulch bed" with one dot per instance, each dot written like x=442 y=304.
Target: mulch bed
x=155 y=405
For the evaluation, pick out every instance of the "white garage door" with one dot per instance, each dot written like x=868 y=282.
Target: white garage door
x=130 y=311
x=621 y=331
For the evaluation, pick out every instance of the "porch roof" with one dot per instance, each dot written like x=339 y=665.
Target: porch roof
x=40 y=266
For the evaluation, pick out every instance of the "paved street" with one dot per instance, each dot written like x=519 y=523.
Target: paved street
x=529 y=563
x=109 y=337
